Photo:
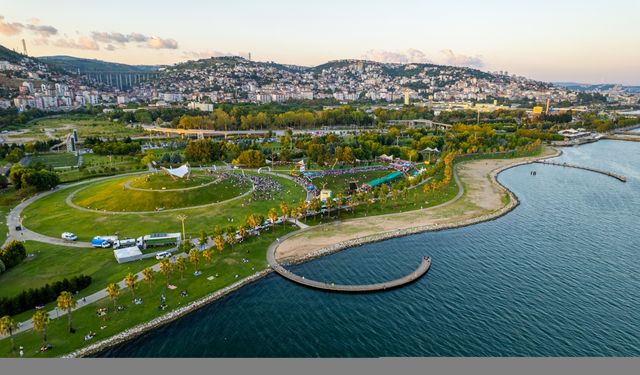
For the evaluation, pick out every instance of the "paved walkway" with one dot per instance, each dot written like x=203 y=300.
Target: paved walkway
x=101 y=294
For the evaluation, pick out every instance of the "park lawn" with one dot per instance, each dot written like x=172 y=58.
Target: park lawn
x=158 y=181
x=51 y=215
x=56 y=160
x=52 y=263
x=87 y=125
x=112 y=195
x=340 y=184
x=226 y=264
x=99 y=165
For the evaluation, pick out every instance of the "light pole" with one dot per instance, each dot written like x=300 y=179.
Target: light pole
x=182 y=218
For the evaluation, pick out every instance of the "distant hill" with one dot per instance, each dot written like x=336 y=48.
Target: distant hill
x=72 y=64
x=9 y=55
x=596 y=87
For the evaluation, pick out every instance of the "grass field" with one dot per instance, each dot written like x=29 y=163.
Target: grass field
x=99 y=165
x=158 y=181
x=52 y=216
x=87 y=125
x=112 y=195
x=226 y=265
x=56 y=160
x=51 y=263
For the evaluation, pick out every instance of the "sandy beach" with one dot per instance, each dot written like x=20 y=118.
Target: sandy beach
x=482 y=196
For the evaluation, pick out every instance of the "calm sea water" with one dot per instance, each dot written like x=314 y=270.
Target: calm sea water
x=558 y=276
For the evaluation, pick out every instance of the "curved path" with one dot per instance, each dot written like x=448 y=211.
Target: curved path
x=422 y=269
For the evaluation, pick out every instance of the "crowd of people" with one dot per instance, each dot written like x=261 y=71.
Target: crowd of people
x=264 y=187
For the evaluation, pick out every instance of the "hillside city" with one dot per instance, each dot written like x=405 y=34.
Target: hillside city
x=44 y=84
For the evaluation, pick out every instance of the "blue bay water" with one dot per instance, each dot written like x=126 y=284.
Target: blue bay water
x=558 y=276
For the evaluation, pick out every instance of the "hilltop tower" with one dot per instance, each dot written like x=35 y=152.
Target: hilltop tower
x=24 y=47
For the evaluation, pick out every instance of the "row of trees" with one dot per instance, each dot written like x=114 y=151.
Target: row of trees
x=27 y=299
x=12 y=255
x=32 y=178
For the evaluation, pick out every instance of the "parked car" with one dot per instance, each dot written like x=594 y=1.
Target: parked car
x=69 y=236
x=18 y=227
x=162 y=255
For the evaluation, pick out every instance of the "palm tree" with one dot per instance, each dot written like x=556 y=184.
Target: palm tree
x=242 y=231
x=302 y=208
x=147 y=275
x=131 y=281
x=207 y=254
x=194 y=258
x=273 y=215
x=329 y=203
x=231 y=236
x=113 y=290
x=203 y=238
x=252 y=221
x=219 y=243
x=40 y=322
x=314 y=205
x=7 y=325
x=66 y=302
x=166 y=267
x=284 y=209
x=181 y=266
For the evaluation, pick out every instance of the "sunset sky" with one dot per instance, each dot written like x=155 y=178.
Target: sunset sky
x=581 y=41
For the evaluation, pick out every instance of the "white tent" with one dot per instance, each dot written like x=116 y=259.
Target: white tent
x=182 y=171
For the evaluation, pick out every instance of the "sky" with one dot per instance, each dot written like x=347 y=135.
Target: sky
x=561 y=40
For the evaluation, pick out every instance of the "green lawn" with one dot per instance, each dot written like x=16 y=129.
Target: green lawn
x=51 y=263
x=87 y=125
x=158 y=181
x=51 y=215
x=56 y=160
x=112 y=195
x=226 y=265
x=99 y=165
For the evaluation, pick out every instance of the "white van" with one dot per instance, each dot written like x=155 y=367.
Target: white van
x=162 y=255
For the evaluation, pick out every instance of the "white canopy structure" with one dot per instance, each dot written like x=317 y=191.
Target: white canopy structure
x=183 y=171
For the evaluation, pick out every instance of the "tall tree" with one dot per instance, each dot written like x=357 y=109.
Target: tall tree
x=166 y=267
x=113 y=291
x=147 y=275
x=7 y=326
x=66 y=303
x=207 y=255
x=40 y=322
x=181 y=266
x=284 y=210
x=194 y=258
x=131 y=280
x=219 y=243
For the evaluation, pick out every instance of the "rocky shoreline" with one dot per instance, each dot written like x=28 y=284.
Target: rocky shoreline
x=178 y=313
x=164 y=319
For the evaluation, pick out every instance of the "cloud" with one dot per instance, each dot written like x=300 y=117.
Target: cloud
x=43 y=31
x=159 y=43
x=83 y=42
x=122 y=39
x=110 y=47
x=452 y=58
x=15 y=28
x=105 y=37
x=409 y=56
x=10 y=29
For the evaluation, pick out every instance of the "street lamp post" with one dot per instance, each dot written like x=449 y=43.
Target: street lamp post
x=182 y=218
